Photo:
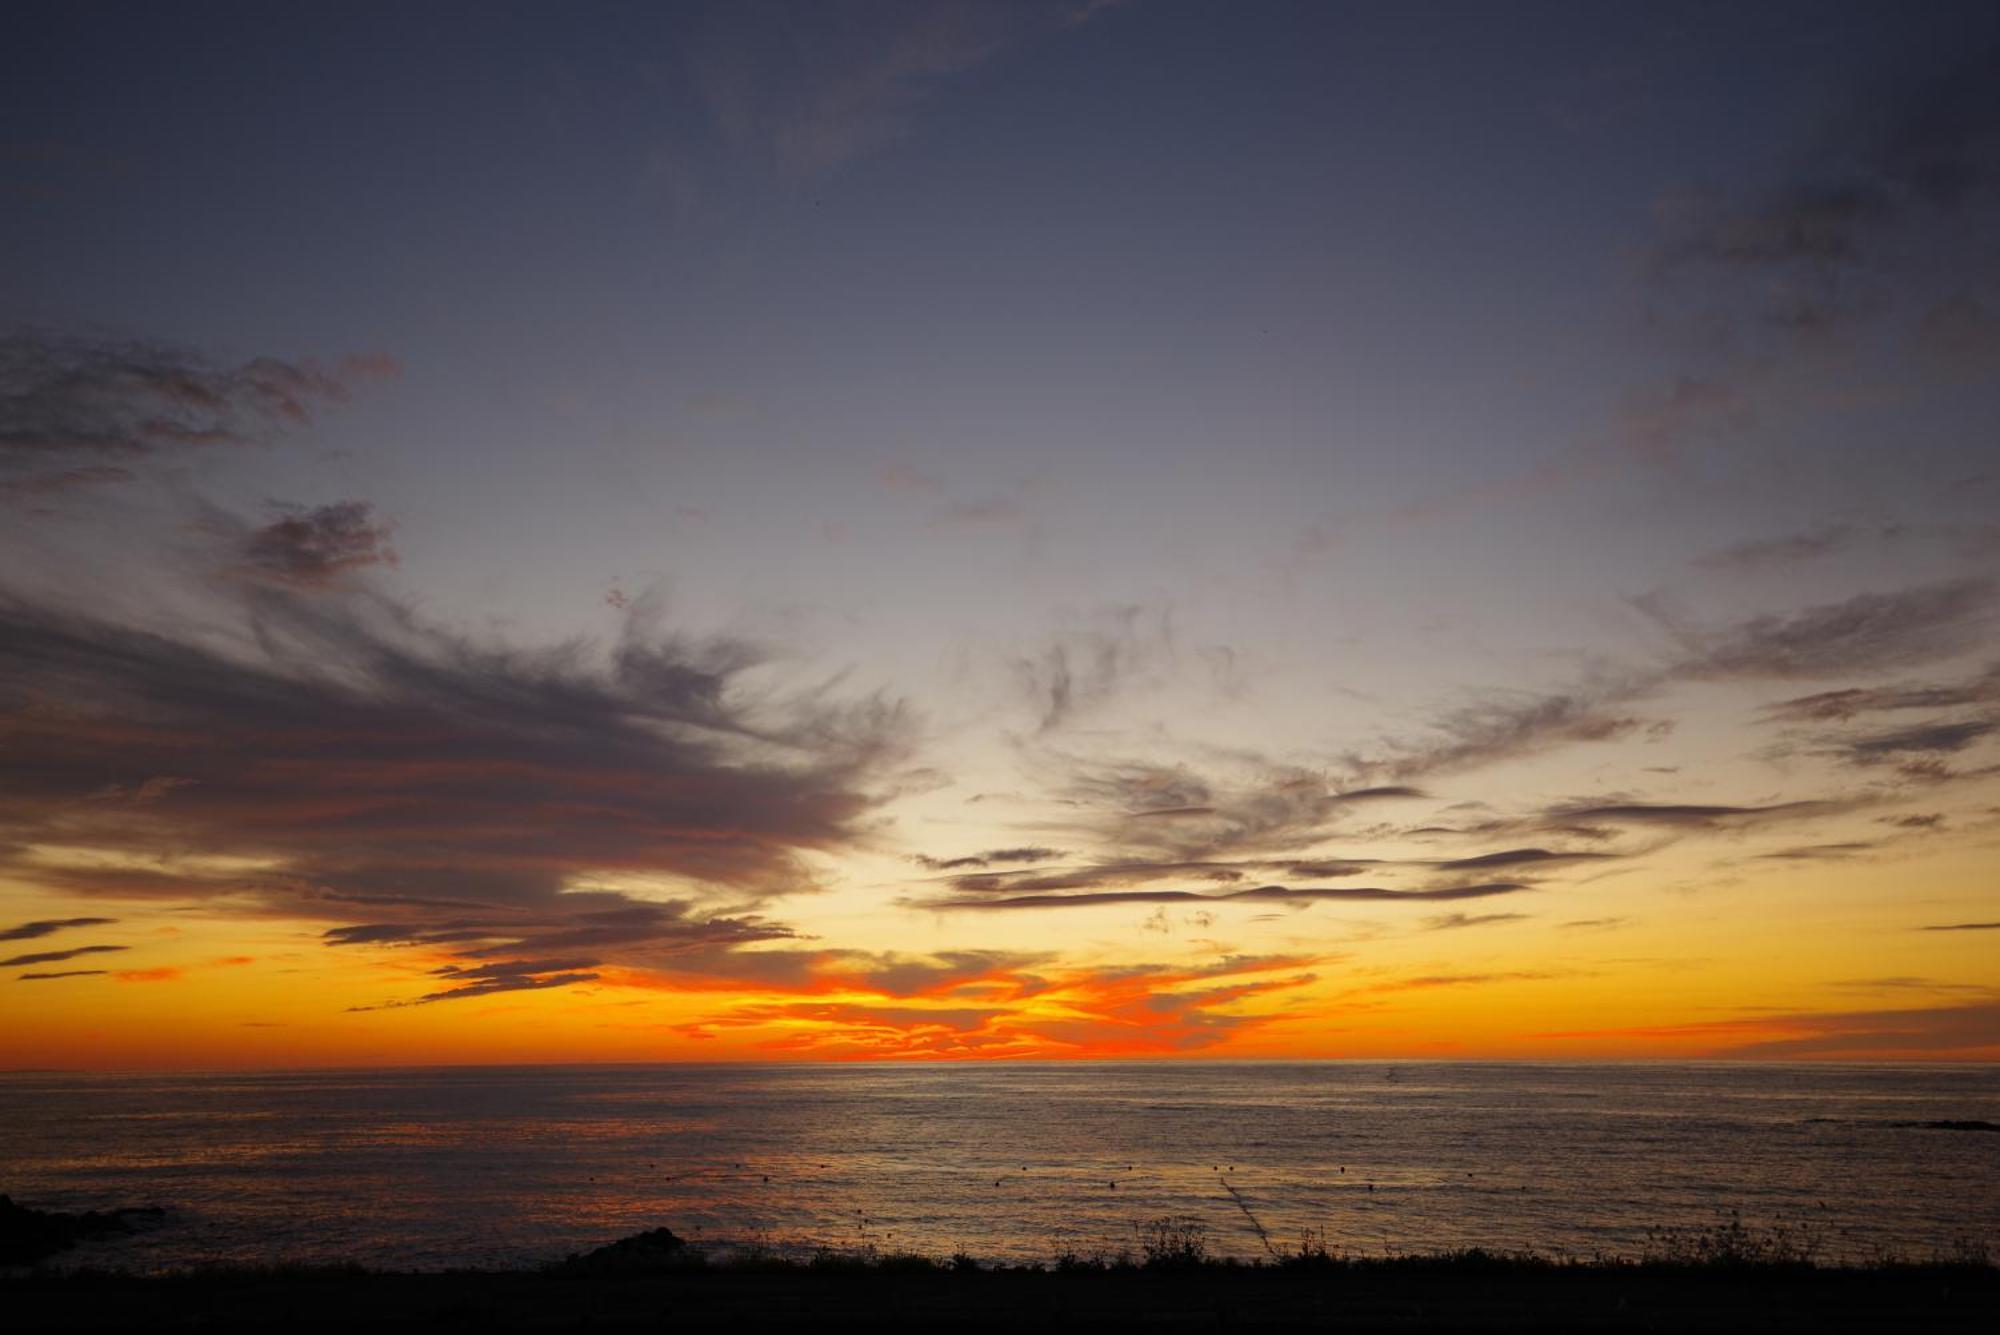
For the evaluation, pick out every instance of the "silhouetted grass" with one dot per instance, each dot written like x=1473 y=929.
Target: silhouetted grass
x=1729 y=1279
x=1179 y=1244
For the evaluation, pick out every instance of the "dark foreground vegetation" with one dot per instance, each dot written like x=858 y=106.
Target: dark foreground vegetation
x=1725 y=1279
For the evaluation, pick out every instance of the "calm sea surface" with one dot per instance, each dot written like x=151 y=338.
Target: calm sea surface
x=492 y=1167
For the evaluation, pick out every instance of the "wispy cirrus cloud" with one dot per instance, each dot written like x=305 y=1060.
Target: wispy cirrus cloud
x=1761 y=295
x=1869 y=632
x=316 y=545
x=1841 y=705
x=1686 y=815
x=28 y=931
x=1521 y=858
x=348 y=739
x=345 y=757
x=601 y=931
x=78 y=410
x=795 y=94
x=1086 y=665
x=1508 y=725
x=58 y=956
x=1836 y=852
x=1759 y=554
x=1930 y=739
x=1864 y=634
x=1449 y=922
x=484 y=980
x=1260 y=894
x=342 y=758
x=1243 y=828
x=989 y=857
x=1917 y=750
x=1228 y=878
x=1901 y=156
x=1243 y=806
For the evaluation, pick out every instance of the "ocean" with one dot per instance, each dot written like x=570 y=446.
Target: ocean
x=489 y=1167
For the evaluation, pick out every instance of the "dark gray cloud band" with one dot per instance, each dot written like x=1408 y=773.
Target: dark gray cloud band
x=58 y=956
x=462 y=793
x=28 y=931
x=1268 y=894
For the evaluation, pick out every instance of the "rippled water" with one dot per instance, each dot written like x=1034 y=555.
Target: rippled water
x=490 y=1166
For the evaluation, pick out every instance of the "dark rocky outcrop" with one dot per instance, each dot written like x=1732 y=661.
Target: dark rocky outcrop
x=27 y=1236
x=642 y=1253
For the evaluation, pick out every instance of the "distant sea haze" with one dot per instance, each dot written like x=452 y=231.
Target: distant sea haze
x=495 y=1167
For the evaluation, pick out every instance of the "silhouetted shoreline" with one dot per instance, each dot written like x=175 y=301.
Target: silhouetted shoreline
x=29 y=1235
x=1722 y=1279
x=1466 y=1291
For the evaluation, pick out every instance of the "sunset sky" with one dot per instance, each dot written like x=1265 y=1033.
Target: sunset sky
x=736 y=531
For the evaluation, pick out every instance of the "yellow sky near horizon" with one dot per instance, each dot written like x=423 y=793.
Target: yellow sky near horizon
x=1637 y=966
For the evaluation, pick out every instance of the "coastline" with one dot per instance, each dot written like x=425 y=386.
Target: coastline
x=1466 y=1291
x=1720 y=1279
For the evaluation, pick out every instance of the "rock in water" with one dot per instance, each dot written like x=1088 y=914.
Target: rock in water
x=642 y=1253
x=27 y=1236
